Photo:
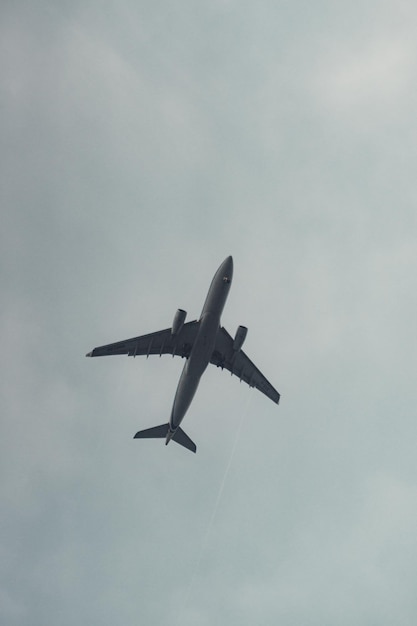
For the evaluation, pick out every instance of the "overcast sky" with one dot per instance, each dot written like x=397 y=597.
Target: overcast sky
x=141 y=144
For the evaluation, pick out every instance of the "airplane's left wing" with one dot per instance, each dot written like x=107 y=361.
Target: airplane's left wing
x=161 y=342
x=239 y=364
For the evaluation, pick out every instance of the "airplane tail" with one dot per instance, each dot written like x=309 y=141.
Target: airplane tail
x=161 y=432
x=153 y=433
x=184 y=440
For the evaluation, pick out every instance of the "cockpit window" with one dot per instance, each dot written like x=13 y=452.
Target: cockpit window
x=226 y=279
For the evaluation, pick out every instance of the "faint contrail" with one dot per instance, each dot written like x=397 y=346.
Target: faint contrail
x=214 y=513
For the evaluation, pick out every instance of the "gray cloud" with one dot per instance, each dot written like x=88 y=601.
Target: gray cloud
x=141 y=144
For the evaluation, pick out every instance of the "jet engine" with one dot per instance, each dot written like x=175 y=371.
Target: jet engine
x=178 y=322
x=240 y=337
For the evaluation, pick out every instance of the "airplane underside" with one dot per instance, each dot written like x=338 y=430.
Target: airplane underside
x=200 y=343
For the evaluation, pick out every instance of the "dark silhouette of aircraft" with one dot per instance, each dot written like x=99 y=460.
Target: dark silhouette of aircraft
x=200 y=343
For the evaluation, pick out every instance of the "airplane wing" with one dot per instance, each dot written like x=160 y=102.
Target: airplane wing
x=161 y=342
x=239 y=364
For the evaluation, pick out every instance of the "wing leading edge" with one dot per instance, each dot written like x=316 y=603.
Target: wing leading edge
x=164 y=342
x=239 y=364
x=161 y=342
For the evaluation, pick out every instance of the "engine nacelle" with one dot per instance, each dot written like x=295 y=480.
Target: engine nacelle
x=240 y=337
x=178 y=322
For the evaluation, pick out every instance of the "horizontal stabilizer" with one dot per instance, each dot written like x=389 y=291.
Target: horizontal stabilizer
x=184 y=440
x=153 y=433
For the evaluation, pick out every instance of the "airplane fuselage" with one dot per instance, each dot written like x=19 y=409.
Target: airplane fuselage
x=203 y=346
x=200 y=342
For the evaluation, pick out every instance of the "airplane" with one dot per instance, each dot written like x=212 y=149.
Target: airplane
x=200 y=342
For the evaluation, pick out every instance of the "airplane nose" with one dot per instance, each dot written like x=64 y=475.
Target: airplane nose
x=228 y=263
x=228 y=267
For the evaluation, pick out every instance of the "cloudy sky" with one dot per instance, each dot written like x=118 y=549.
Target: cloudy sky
x=141 y=143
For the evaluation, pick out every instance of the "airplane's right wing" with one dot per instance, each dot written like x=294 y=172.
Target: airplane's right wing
x=161 y=342
x=239 y=364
